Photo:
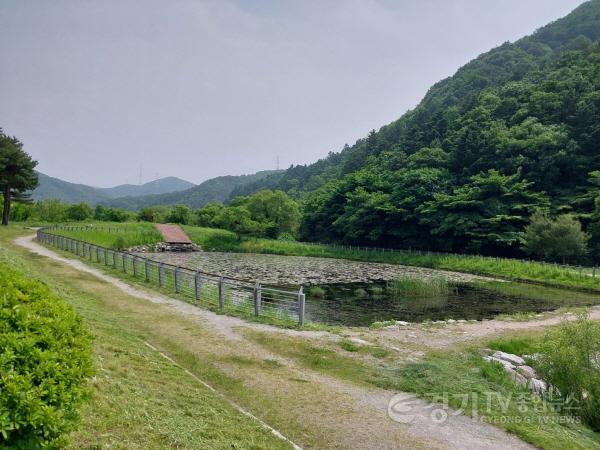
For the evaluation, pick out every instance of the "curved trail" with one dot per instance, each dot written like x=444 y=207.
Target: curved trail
x=357 y=415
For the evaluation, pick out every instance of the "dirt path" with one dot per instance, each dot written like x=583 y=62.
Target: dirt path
x=341 y=414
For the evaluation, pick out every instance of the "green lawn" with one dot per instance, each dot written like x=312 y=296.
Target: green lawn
x=139 y=399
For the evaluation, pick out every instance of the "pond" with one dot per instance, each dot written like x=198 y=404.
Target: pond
x=361 y=304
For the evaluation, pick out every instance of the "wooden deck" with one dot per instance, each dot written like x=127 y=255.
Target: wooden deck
x=173 y=234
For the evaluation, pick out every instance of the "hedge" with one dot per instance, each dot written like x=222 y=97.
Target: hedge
x=45 y=362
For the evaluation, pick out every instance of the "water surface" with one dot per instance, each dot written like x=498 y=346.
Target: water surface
x=361 y=304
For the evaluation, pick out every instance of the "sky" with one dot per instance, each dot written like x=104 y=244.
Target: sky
x=102 y=91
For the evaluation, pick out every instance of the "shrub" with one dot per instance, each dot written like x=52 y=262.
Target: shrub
x=349 y=346
x=361 y=293
x=119 y=243
x=79 y=212
x=316 y=292
x=45 y=359
x=570 y=362
x=559 y=239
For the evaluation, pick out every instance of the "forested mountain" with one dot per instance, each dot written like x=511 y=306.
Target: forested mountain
x=515 y=130
x=214 y=190
x=55 y=188
x=160 y=186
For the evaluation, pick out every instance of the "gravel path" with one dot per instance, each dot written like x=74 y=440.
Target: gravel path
x=422 y=431
x=287 y=270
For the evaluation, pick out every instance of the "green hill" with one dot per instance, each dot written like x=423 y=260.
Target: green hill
x=516 y=129
x=160 y=186
x=214 y=190
x=55 y=188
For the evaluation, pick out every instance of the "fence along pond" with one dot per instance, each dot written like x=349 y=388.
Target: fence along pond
x=204 y=289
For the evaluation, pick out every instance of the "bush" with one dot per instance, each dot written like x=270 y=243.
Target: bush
x=559 y=239
x=570 y=362
x=79 y=212
x=45 y=360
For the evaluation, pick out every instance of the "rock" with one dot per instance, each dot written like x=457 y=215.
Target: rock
x=504 y=363
x=359 y=341
x=515 y=376
x=485 y=351
x=439 y=322
x=402 y=323
x=461 y=321
x=451 y=321
x=513 y=359
x=537 y=386
x=527 y=372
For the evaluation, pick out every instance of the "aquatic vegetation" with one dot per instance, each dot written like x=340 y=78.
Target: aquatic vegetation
x=317 y=292
x=433 y=287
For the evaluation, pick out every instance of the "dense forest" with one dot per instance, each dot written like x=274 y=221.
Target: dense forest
x=515 y=131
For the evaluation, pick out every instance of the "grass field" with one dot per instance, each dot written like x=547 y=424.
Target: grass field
x=140 y=400
x=113 y=235
x=221 y=240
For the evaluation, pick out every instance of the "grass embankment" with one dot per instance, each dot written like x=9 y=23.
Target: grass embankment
x=222 y=240
x=114 y=235
x=471 y=385
x=139 y=399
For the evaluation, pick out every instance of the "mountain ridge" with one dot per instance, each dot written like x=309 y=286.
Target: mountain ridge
x=216 y=189
x=54 y=188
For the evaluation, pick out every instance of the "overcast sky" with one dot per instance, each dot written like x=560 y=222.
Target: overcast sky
x=197 y=89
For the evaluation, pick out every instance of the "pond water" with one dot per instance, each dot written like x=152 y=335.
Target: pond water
x=361 y=304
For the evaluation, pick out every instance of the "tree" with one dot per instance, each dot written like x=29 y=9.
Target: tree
x=560 y=239
x=146 y=214
x=106 y=214
x=50 y=211
x=79 y=212
x=180 y=214
x=205 y=216
x=238 y=220
x=486 y=215
x=274 y=210
x=17 y=174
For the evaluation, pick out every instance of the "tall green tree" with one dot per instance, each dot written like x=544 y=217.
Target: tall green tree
x=17 y=174
x=486 y=215
x=274 y=210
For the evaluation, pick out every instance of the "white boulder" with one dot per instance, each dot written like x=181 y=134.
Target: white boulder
x=527 y=372
x=509 y=357
x=537 y=386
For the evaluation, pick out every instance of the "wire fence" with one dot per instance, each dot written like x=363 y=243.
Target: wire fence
x=200 y=288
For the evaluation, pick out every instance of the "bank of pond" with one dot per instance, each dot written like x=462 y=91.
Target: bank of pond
x=363 y=304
